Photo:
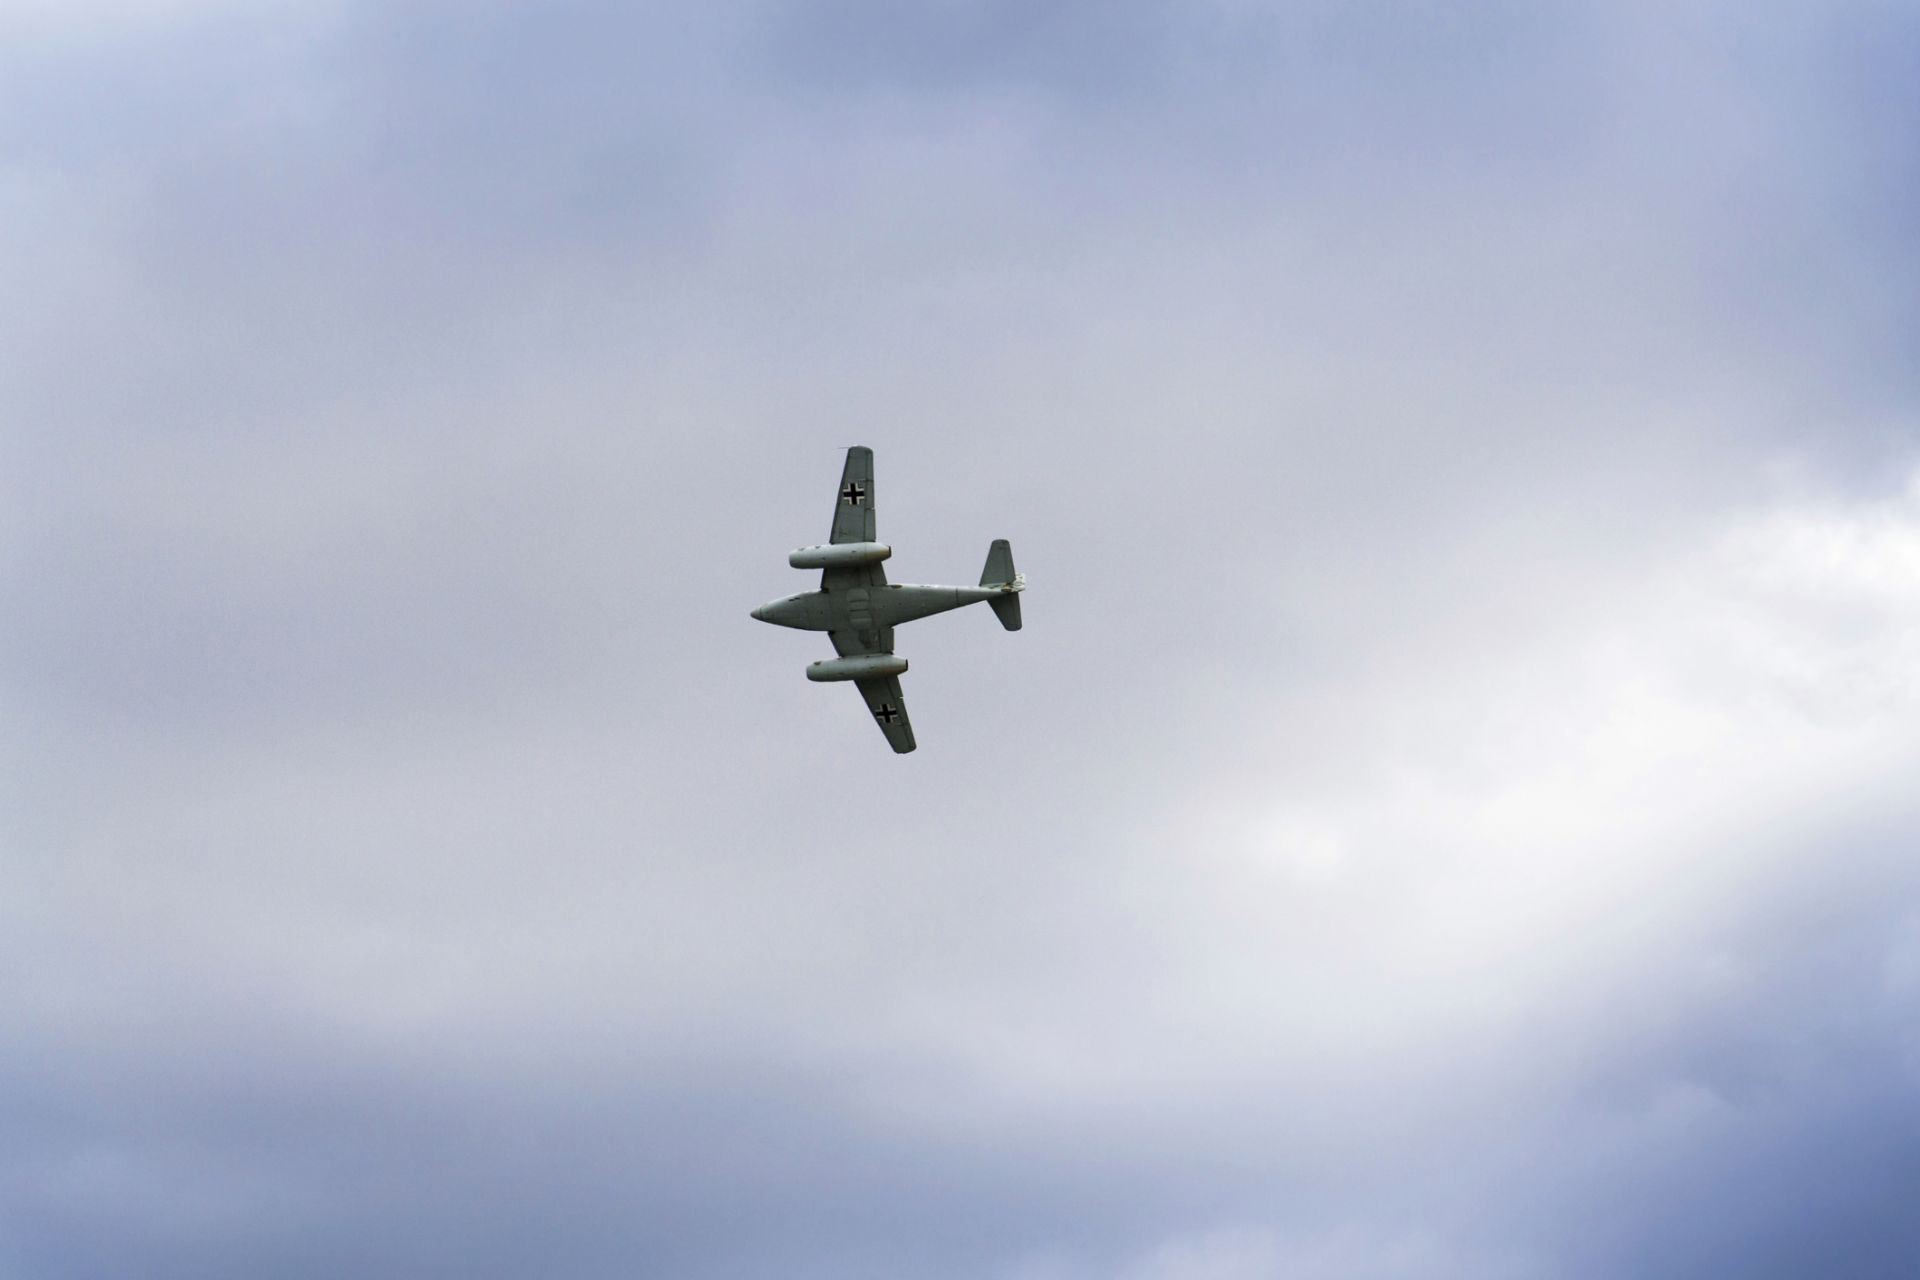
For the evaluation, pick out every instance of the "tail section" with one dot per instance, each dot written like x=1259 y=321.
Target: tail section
x=999 y=573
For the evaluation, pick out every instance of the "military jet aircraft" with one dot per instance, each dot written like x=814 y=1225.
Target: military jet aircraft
x=858 y=608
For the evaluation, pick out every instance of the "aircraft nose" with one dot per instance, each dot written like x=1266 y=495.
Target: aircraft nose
x=760 y=613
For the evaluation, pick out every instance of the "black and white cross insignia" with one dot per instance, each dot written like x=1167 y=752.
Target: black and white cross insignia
x=853 y=494
x=886 y=713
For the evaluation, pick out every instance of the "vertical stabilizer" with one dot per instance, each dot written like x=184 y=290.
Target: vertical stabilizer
x=1000 y=573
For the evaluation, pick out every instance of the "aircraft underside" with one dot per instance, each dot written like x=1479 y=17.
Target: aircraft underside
x=858 y=608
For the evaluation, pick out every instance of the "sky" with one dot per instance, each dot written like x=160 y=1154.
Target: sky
x=1450 y=811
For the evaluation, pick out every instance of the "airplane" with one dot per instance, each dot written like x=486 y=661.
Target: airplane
x=858 y=608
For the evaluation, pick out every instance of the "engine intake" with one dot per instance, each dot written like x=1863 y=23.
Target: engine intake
x=839 y=555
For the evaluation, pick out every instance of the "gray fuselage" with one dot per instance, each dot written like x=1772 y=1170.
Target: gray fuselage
x=865 y=608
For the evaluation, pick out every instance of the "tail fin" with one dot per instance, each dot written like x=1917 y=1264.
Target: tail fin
x=999 y=573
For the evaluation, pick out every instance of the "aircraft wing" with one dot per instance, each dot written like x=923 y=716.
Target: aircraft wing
x=853 y=522
x=889 y=711
x=853 y=503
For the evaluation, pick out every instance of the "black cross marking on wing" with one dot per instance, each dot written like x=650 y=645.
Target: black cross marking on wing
x=853 y=494
x=886 y=713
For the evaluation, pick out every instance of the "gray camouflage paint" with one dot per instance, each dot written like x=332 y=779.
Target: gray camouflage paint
x=860 y=608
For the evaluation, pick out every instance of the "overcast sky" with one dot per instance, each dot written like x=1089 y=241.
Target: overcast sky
x=1450 y=813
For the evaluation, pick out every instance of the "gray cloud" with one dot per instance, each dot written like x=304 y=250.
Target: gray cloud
x=1444 y=817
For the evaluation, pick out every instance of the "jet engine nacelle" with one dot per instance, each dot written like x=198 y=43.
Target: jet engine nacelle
x=839 y=555
x=862 y=667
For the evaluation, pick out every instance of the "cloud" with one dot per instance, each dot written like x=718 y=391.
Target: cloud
x=1445 y=816
x=94 y=19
